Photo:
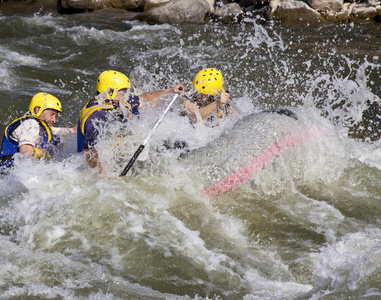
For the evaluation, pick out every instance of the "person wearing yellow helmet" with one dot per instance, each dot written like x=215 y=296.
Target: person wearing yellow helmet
x=113 y=97
x=209 y=97
x=32 y=134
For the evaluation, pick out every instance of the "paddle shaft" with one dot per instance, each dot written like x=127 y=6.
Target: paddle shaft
x=141 y=147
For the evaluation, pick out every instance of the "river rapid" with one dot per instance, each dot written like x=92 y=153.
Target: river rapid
x=304 y=224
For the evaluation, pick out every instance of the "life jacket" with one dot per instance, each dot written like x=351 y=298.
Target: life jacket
x=90 y=108
x=223 y=110
x=9 y=146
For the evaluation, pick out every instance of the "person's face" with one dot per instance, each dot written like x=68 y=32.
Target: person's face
x=49 y=116
x=119 y=95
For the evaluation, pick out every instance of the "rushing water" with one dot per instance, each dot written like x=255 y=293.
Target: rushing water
x=305 y=225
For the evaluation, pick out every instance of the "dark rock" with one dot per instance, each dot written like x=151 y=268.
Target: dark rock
x=180 y=11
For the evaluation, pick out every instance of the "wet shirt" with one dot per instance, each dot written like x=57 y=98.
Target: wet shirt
x=100 y=117
x=28 y=133
x=27 y=130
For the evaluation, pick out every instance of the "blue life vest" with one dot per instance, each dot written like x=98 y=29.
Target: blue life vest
x=9 y=146
x=91 y=107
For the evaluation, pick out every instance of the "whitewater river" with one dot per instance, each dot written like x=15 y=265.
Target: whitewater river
x=262 y=206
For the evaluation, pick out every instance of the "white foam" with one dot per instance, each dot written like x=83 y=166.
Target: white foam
x=349 y=261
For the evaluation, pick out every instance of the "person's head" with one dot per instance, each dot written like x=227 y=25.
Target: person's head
x=112 y=81
x=45 y=107
x=208 y=82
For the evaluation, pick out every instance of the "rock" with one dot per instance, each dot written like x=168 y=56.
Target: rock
x=285 y=12
x=330 y=17
x=179 y=11
x=364 y=12
x=294 y=13
x=112 y=19
x=148 y=4
x=326 y=5
x=345 y=15
x=99 y=4
x=230 y=13
x=28 y=7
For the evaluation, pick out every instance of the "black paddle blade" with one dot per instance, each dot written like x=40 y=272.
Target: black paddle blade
x=132 y=160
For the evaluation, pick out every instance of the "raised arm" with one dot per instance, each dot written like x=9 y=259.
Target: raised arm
x=205 y=111
x=153 y=97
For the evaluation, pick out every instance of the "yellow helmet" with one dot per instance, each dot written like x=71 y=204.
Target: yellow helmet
x=112 y=80
x=208 y=82
x=44 y=101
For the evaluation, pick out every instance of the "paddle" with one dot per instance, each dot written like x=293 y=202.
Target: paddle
x=141 y=147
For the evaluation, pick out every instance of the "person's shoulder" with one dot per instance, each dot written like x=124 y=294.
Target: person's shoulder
x=29 y=125
x=29 y=121
x=99 y=113
x=91 y=102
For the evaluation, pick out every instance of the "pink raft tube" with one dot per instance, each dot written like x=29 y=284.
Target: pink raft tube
x=261 y=161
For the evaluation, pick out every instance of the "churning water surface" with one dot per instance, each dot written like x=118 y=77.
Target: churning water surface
x=303 y=224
